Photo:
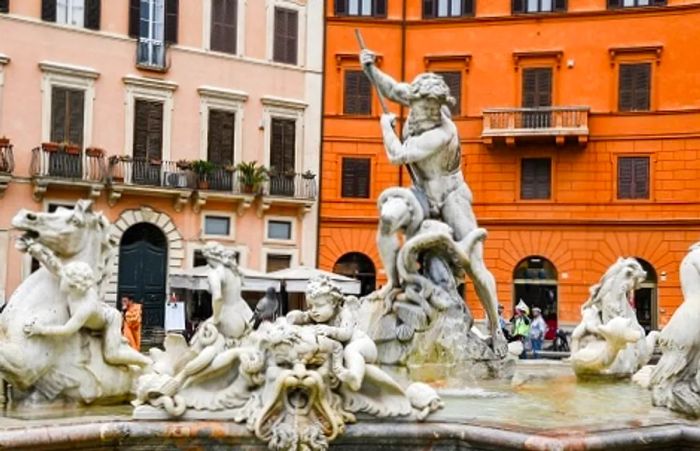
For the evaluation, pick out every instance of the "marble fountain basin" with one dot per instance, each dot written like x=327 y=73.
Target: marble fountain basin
x=543 y=408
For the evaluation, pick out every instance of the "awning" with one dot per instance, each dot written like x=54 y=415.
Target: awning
x=296 y=279
x=196 y=279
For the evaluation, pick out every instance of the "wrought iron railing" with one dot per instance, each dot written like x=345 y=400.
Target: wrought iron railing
x=65 y=164
x=150 y=173
x=297 y=186
x=572 y=119
x=7 y=160
x=151 y=54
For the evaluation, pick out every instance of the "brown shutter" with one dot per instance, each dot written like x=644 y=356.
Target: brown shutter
x=155 y=130
x=357 y=93
x=148 y=130
x=285 y=41
x=92 y=14
x=341 y=7
x=380 y=8
x=171 y=18
x=278 y=39
x=140 y=129
x=224 y=25
x=518 y=6
x=289 y=145
x=658 y=2
x=642 y=86
x=614 y=4
x=58 y=114
x=535 y=178
x=625 y=177
x=529 y=88
x=220 y=142
x=429 y=9
x=4 y=6
x=355 y=177
x=75 y=114
x=48 y=10
x=544 y=87
x=467 y=7
x=560 y=5
x=134 y=18
x=292 y=36
x=641 y=178
x=625 y=95
x=282 y=145
x=453 y=79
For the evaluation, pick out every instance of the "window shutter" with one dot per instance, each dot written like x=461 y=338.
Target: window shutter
x=544 y=87
x=140 y=129
x=76 y=104
x=453 y=80
x=529 y=88
x=467 y=7
x=626 y=88
x=625 y=177
x=155 y=130
x=221 y=137
x=171 y=14
x=357 y=93
x=224 y=24
x=292 y=36
x=58 y=114
x=560 y=5
x=92 y=14
x=642 y=86
x=134 y=17
x=48 y=10
x=285 y=38
x=535 y=178
x=289 y=145
x=429 y=9
x=4 y=6
x=282 y=145
x=355 y=177
x=380 y=8
x=641 y=178
x=659 y=2
x=614 y=4
x=518 y=6
x=341 y=7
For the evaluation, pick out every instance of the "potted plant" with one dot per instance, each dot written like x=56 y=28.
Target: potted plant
x=69 y=148
x=202 y=168
x=184 y=165
x=251 y=176
x=230 y=168
x=50 y=147
x=155 y=161
x=94 y=152
x=308 y=175
x=4 y=141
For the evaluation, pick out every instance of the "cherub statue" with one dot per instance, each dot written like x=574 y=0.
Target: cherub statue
x=331 y=315
x=78 y=284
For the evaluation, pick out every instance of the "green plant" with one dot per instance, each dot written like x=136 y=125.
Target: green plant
x=202 y=167
x=251 y=176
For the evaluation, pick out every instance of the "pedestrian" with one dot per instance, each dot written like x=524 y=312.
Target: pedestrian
x=504 y=325
x=538 y=329
x=132 y=321
x=521 y=326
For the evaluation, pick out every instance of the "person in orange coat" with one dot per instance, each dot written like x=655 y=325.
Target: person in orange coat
x=132 y=321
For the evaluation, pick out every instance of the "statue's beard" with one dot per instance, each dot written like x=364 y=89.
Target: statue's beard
x=419 y=122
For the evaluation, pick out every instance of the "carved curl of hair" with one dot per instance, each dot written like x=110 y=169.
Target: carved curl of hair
x=215 y=251
x=79 y=276
x=323 y=286
x=429 y=85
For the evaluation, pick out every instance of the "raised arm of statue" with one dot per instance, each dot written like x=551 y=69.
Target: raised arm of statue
x=390 y=88
x=415 y=148
x=45 y=257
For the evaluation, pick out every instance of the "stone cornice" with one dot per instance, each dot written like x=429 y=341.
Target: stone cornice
x=221 y=93
x=68 y=69
x=150 y=83
x=283 y=103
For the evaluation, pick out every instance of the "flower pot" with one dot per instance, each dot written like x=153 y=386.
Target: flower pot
x=94 y=152
x=203 y=184
x=248 y=189
x=4 y=142
x=50 y=147
x=72 y=150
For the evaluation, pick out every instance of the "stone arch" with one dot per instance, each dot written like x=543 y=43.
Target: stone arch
x=176 y=248
x=358 y=266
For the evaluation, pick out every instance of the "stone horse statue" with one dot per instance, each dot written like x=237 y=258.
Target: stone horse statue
x=609 y=340
x=44 y=368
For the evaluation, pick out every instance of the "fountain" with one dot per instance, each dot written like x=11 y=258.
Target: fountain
x=402 y=368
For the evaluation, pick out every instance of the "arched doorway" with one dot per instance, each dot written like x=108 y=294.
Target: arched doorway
x=535 y=282
x=645 y=298
x=360 y=267
x=143 y=256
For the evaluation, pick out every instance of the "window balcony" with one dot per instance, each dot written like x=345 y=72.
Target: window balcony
x=7 y=164
x=152 y=55
x=68 y=167
x=558 y=124
x=289 y=190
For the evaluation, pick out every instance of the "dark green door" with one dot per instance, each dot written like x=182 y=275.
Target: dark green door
x=142 y=270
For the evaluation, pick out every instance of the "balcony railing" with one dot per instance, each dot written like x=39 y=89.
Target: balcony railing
x=150 y=173
x=536 y=122
x=296 y=186
x=62 y=164
x=7 y=161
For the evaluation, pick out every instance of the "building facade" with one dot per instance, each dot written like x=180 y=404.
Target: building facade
x=580 y=129
x=149 y=107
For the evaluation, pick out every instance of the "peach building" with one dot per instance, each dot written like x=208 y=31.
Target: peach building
x=580 y=129
x=147 y=107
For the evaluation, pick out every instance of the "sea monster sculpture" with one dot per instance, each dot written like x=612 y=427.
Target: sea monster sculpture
x=296 y=382
x=609 y=341
x=44 y=354
x=675 y=380
x=419 y=316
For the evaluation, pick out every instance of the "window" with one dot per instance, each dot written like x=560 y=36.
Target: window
x=217 y=225
x=357 y=93
x=4 y=6
x=538 y=6
x=454 y=82
x=279 y=230
x=275 y=262
x=224 y=20
x=535 y=178
x=285 y=41
x=634 y=3
x=356 y=176
x=447 y=8
x=67 y=115
x=79 y=13
x=154 y=23
x=148 y=130
x=634 y=87
x=282 y=156
x=376 y=8
x=221 y=137
x=633 y=178
x=537 y=93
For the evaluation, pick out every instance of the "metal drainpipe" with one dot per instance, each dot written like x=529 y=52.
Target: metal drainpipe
x=321 y=140
x=402 y=119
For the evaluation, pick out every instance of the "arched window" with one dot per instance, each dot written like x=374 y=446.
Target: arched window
x=360 y=267
x=645 y=298
x=535 y=282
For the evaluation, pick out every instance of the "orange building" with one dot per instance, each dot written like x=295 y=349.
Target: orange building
x=580 y=129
